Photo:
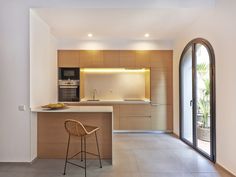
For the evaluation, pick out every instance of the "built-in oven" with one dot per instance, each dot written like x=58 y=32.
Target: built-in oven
x=69 y=73
x=69 y=91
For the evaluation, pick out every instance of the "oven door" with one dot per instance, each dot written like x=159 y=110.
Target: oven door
x=68 y=93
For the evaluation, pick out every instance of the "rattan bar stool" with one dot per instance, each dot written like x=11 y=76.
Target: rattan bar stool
x=76 y=128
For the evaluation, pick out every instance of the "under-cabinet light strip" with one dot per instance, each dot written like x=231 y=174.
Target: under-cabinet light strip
x=112 y=70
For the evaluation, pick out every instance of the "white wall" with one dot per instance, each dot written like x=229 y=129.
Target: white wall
x=115 y=45
x=43 y=63
x=43 y=71
x=218 y=27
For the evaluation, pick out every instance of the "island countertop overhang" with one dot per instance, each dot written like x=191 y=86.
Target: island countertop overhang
x=89 y=109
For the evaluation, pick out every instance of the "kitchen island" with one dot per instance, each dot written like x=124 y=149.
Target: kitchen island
x=52 y=136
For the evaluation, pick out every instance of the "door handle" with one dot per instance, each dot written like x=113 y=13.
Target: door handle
x=191 y=103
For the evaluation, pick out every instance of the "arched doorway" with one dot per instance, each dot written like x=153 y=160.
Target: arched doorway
x=197 y=97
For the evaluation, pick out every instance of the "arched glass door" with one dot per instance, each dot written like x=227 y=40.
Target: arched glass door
x=197 y=97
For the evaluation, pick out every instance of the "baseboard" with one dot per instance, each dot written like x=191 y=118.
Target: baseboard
x=224 y=169
x=175 y=135
x=36 y=158
x=142 y=131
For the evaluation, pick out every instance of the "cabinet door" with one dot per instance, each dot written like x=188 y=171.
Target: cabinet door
x=68 y=58
x=91 y=58
x=127 y=58
x=142 y=58
x=161 y=58
x=161 y=86
x=111 y=58
x=162 y=117
x=135 y=110
x=135 y=117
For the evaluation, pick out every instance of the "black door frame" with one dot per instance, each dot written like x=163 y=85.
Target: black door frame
x=192 y=44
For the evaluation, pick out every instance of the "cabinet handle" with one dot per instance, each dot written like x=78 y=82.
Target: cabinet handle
x=138 y=116
x=154 y=104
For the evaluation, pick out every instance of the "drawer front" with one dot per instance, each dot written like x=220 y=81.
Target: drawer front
x=135 y=110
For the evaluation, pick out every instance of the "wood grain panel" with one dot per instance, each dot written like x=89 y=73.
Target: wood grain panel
x=68 y=58
x=116 y=117
x=52 y=137
x=142 y=58
x=81 y=84
x=134 y=110
x=111 y=58
x=162 y=117
x=91 y=58
x=148 y=84
x=161 y=86
x=127 y=58
x=161 y=58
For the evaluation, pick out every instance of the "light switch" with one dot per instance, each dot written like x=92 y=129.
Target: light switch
x=21 y=107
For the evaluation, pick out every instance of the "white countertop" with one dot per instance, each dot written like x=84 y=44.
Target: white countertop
x=77 y=109
x=84 y=101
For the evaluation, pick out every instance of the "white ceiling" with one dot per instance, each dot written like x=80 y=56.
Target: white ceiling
x=117 y=23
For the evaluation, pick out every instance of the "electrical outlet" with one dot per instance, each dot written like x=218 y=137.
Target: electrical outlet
x=21 y=107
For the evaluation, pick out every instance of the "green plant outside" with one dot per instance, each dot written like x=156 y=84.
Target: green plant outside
x=204 y=100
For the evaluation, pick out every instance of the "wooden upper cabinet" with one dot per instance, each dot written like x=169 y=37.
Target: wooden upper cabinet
x=68 y=58
x=142 y=58
x=91 y=58
x=111 y=58
x=127 y=58
x=161 y=59
x=161 y=86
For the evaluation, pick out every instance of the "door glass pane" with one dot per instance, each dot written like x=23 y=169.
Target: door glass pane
x=203 y=99
x=186 y=78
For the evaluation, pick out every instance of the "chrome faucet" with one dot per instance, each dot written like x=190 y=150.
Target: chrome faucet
x=94 y=94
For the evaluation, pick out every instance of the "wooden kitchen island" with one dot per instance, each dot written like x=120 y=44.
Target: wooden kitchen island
x=52 y=136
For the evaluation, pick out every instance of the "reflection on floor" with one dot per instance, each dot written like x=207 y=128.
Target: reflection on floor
x=204 y=146
x=135 y=155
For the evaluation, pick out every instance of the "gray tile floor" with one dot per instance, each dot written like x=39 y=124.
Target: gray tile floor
x=135 y=155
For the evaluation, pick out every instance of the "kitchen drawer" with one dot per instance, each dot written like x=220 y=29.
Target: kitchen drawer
x=135 y=110
x=135 y=123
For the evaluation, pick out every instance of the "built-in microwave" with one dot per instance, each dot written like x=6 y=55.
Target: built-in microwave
x=69 y=73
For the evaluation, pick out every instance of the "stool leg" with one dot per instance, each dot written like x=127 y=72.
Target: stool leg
x=99 y=156
x=67 y=151
x=85 y=165
x=81 y=143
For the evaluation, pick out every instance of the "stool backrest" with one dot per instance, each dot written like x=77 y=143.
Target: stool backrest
x=75 y=128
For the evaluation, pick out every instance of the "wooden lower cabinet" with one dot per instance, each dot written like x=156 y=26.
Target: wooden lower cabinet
x=146 y=117
x=156 y=117
x=135 y=117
